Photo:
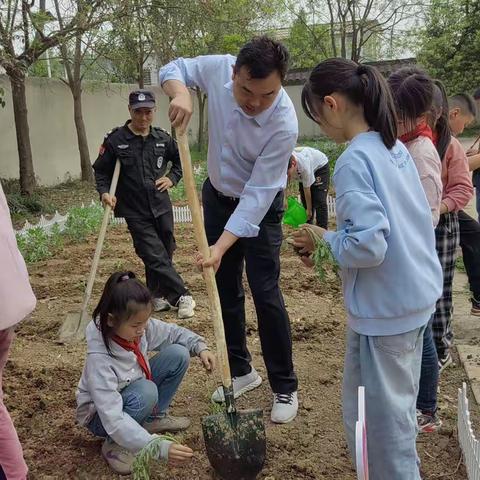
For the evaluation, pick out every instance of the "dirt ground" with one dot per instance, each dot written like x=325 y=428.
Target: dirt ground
x=41 y=376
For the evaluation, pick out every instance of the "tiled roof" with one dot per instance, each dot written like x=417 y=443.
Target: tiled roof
x=298 y=76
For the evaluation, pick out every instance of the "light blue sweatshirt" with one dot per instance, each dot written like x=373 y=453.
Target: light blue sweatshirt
x=385 y=242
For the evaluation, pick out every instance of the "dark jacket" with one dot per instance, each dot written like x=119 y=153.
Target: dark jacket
x=143 y=161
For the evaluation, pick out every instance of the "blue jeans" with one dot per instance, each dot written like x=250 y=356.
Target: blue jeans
x=427 y=393
x=389 y=368
x=143 y=396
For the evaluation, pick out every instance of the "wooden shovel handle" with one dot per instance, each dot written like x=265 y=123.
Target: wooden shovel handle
x=209 y=273
x=84 y=316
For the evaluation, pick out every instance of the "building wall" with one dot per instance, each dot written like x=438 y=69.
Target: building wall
x=52 y=130
x=306 y=128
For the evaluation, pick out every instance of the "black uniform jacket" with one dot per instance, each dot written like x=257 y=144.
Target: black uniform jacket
x=143 y=161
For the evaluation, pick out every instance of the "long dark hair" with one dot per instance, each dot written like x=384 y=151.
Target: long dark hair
x=362 y=85
x=122 y=297
x=412 y=91
x=440 y=118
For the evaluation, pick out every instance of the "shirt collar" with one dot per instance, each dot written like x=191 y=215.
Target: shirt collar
x=130 y=134
x=262 y=118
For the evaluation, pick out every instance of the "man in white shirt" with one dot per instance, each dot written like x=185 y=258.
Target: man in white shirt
x=310 y=167
x=253 y=129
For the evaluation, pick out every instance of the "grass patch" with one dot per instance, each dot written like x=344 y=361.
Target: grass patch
x=460 y=266
x=331 y=149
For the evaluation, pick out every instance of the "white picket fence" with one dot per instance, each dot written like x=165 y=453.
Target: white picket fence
x=331 y=206
x=361 y=451
x=180 y=215
x=468 y=442
x=45 y=224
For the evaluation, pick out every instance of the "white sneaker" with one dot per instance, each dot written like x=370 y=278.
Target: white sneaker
x=241 y=385
x=186 y=305
x=119 y=459
x=285 y=407
x=161 y=305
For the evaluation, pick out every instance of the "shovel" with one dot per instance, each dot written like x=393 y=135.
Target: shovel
x=235 y=440
x=73 y=328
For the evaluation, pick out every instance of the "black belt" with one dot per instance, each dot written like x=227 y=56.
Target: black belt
x=224 y=197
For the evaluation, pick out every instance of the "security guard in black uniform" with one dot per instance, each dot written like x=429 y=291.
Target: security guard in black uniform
x=142 y=197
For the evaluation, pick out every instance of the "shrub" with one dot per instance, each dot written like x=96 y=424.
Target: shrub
x=37 y=244
x=82 y=221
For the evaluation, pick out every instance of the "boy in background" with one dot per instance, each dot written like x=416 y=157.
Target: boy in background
x=310 y=167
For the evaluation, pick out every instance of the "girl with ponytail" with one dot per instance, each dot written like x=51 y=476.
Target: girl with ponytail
x=412 y=91
x=123 y=396
x=385 y=246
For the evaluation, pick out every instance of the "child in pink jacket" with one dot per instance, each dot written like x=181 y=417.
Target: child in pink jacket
x=17 y=301
x=457 y=192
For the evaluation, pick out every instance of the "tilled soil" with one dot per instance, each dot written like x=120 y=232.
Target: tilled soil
x=42 y=375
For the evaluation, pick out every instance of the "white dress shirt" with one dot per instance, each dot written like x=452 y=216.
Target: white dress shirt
x=247 y=156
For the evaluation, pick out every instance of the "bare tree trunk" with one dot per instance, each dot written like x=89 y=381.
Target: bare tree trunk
x=141 y=61
x=332 y=28
x=343 y=39
x=76 y=88
x=19 y=100
x=86 y=166
x=354 y=50
x=141 y=81
x=74 y=82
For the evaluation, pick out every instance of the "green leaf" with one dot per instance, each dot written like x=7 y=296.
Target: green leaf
x=324 y=260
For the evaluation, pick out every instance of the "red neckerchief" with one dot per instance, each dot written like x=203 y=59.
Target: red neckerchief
x=135 y=348
x=422 y=130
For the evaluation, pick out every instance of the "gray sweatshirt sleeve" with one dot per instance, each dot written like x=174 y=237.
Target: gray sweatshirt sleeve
x=121 y=427
x=160 y=334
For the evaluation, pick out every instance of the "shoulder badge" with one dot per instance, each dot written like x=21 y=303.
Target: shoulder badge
x=162 y=130
x=113 y=130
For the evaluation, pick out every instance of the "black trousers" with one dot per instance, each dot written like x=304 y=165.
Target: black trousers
x=470 y=244
x=154 y=243
x=319 y=191
x=261 y=256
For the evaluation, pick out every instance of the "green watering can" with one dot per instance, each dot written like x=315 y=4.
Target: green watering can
x=295 y=215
